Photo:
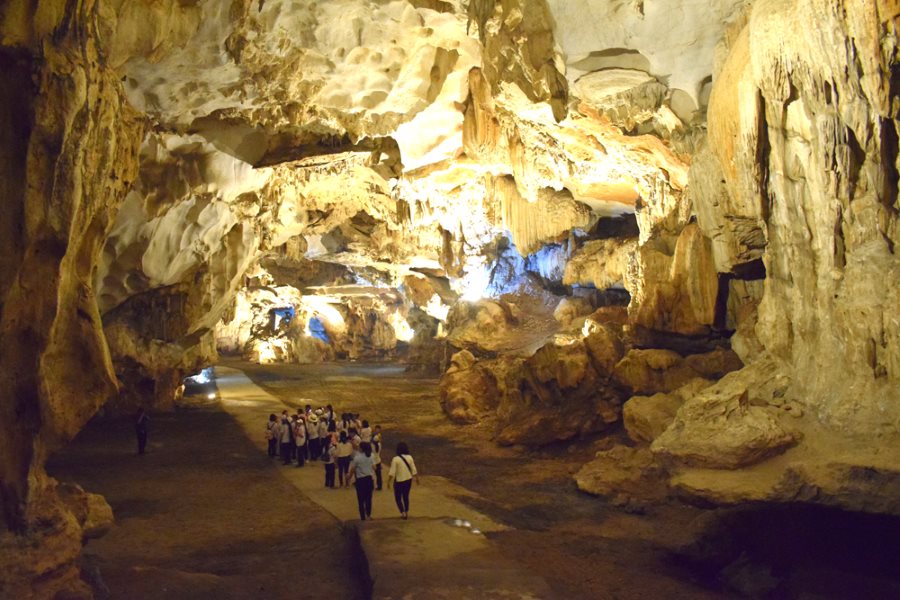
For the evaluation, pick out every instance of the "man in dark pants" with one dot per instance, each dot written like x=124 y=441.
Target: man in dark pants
x=140 y=428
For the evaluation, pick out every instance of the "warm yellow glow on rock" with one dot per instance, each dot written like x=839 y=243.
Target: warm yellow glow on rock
x=401 y=327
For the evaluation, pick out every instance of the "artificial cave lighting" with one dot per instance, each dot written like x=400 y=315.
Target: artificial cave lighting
x=436 y=308
x=402 y=329
x=474 y=284
x=201 y=378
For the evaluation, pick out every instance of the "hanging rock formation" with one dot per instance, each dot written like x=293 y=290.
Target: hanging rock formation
x=686 y=209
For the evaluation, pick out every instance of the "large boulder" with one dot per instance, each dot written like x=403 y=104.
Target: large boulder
x=720 y=428
x=624 y=476
x=646 y=417
x=557 y=394
x=468 y=389
x=653 y=371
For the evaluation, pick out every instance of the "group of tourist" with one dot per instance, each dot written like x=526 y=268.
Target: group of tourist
x=345 y=445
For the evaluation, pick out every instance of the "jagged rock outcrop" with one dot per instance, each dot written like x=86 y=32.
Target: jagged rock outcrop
x=561 y=391
x=78 y=140
x=624 y=476
x=445 y=154
x=647 y=417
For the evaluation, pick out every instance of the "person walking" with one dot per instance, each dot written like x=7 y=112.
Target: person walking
x=403 y=469
x=365 y=433
x=272 y=435
x=141 y=428
x=362 y=469
x=344 y=450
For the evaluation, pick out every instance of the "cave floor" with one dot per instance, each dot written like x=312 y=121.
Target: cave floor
x=580 y=546
x=206 y=514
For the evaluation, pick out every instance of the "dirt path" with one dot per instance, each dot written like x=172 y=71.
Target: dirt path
x=582 y=547
x=203 y=514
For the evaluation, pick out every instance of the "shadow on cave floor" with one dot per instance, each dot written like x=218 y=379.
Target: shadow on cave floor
x=203 y=514
x=586 y=548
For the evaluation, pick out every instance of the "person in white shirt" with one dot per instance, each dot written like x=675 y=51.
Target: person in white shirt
x=285 y=434
x=344 y=450
x=403 y=469
x=329 y=456
x=376 y=455
x=365 y=434
x=300 y=440
x=272 y=435
x=312 y=434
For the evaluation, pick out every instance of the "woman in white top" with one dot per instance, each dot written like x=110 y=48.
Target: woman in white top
x=344 y=450
x=403 y=469
x=365 y=434
x=300 y=440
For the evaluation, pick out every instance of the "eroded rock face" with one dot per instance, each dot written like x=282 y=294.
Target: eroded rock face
x=647 y=417
x=78 y=139
x=727 y=425
x=445 y=154
x=629 y=477
x=562 y=391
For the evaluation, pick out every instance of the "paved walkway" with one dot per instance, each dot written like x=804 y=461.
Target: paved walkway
x=440 y=552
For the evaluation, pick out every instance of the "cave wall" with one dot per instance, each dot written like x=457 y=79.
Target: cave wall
x=74 y=155
x=153 y=153
x=804 y=131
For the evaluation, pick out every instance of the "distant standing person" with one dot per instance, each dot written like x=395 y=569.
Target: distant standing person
x=329 y=457
x=362 y=469
x=365 y=434
x=312 y=434
x=403 y=469
x=300 y=440
x=285 y=434
x=272 y=435
x=344 y=450
x=141 y=423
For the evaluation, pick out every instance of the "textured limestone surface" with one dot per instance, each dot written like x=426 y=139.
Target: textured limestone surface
x=559 y=204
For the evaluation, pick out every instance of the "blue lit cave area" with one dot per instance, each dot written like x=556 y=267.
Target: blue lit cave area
x=545 y=299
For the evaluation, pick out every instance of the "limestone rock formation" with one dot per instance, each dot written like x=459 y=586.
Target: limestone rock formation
x=721 y=427
x=600 y=263
x=647 y=417
x=173 y=170
x=624 y=476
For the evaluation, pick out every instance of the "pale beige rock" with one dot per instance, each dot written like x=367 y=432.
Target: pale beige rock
x=601 y=263
x=624 y=476
x=674 y=288
x=646 y=417
x=653 y=371
x=720 y=428
x=570 y=309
